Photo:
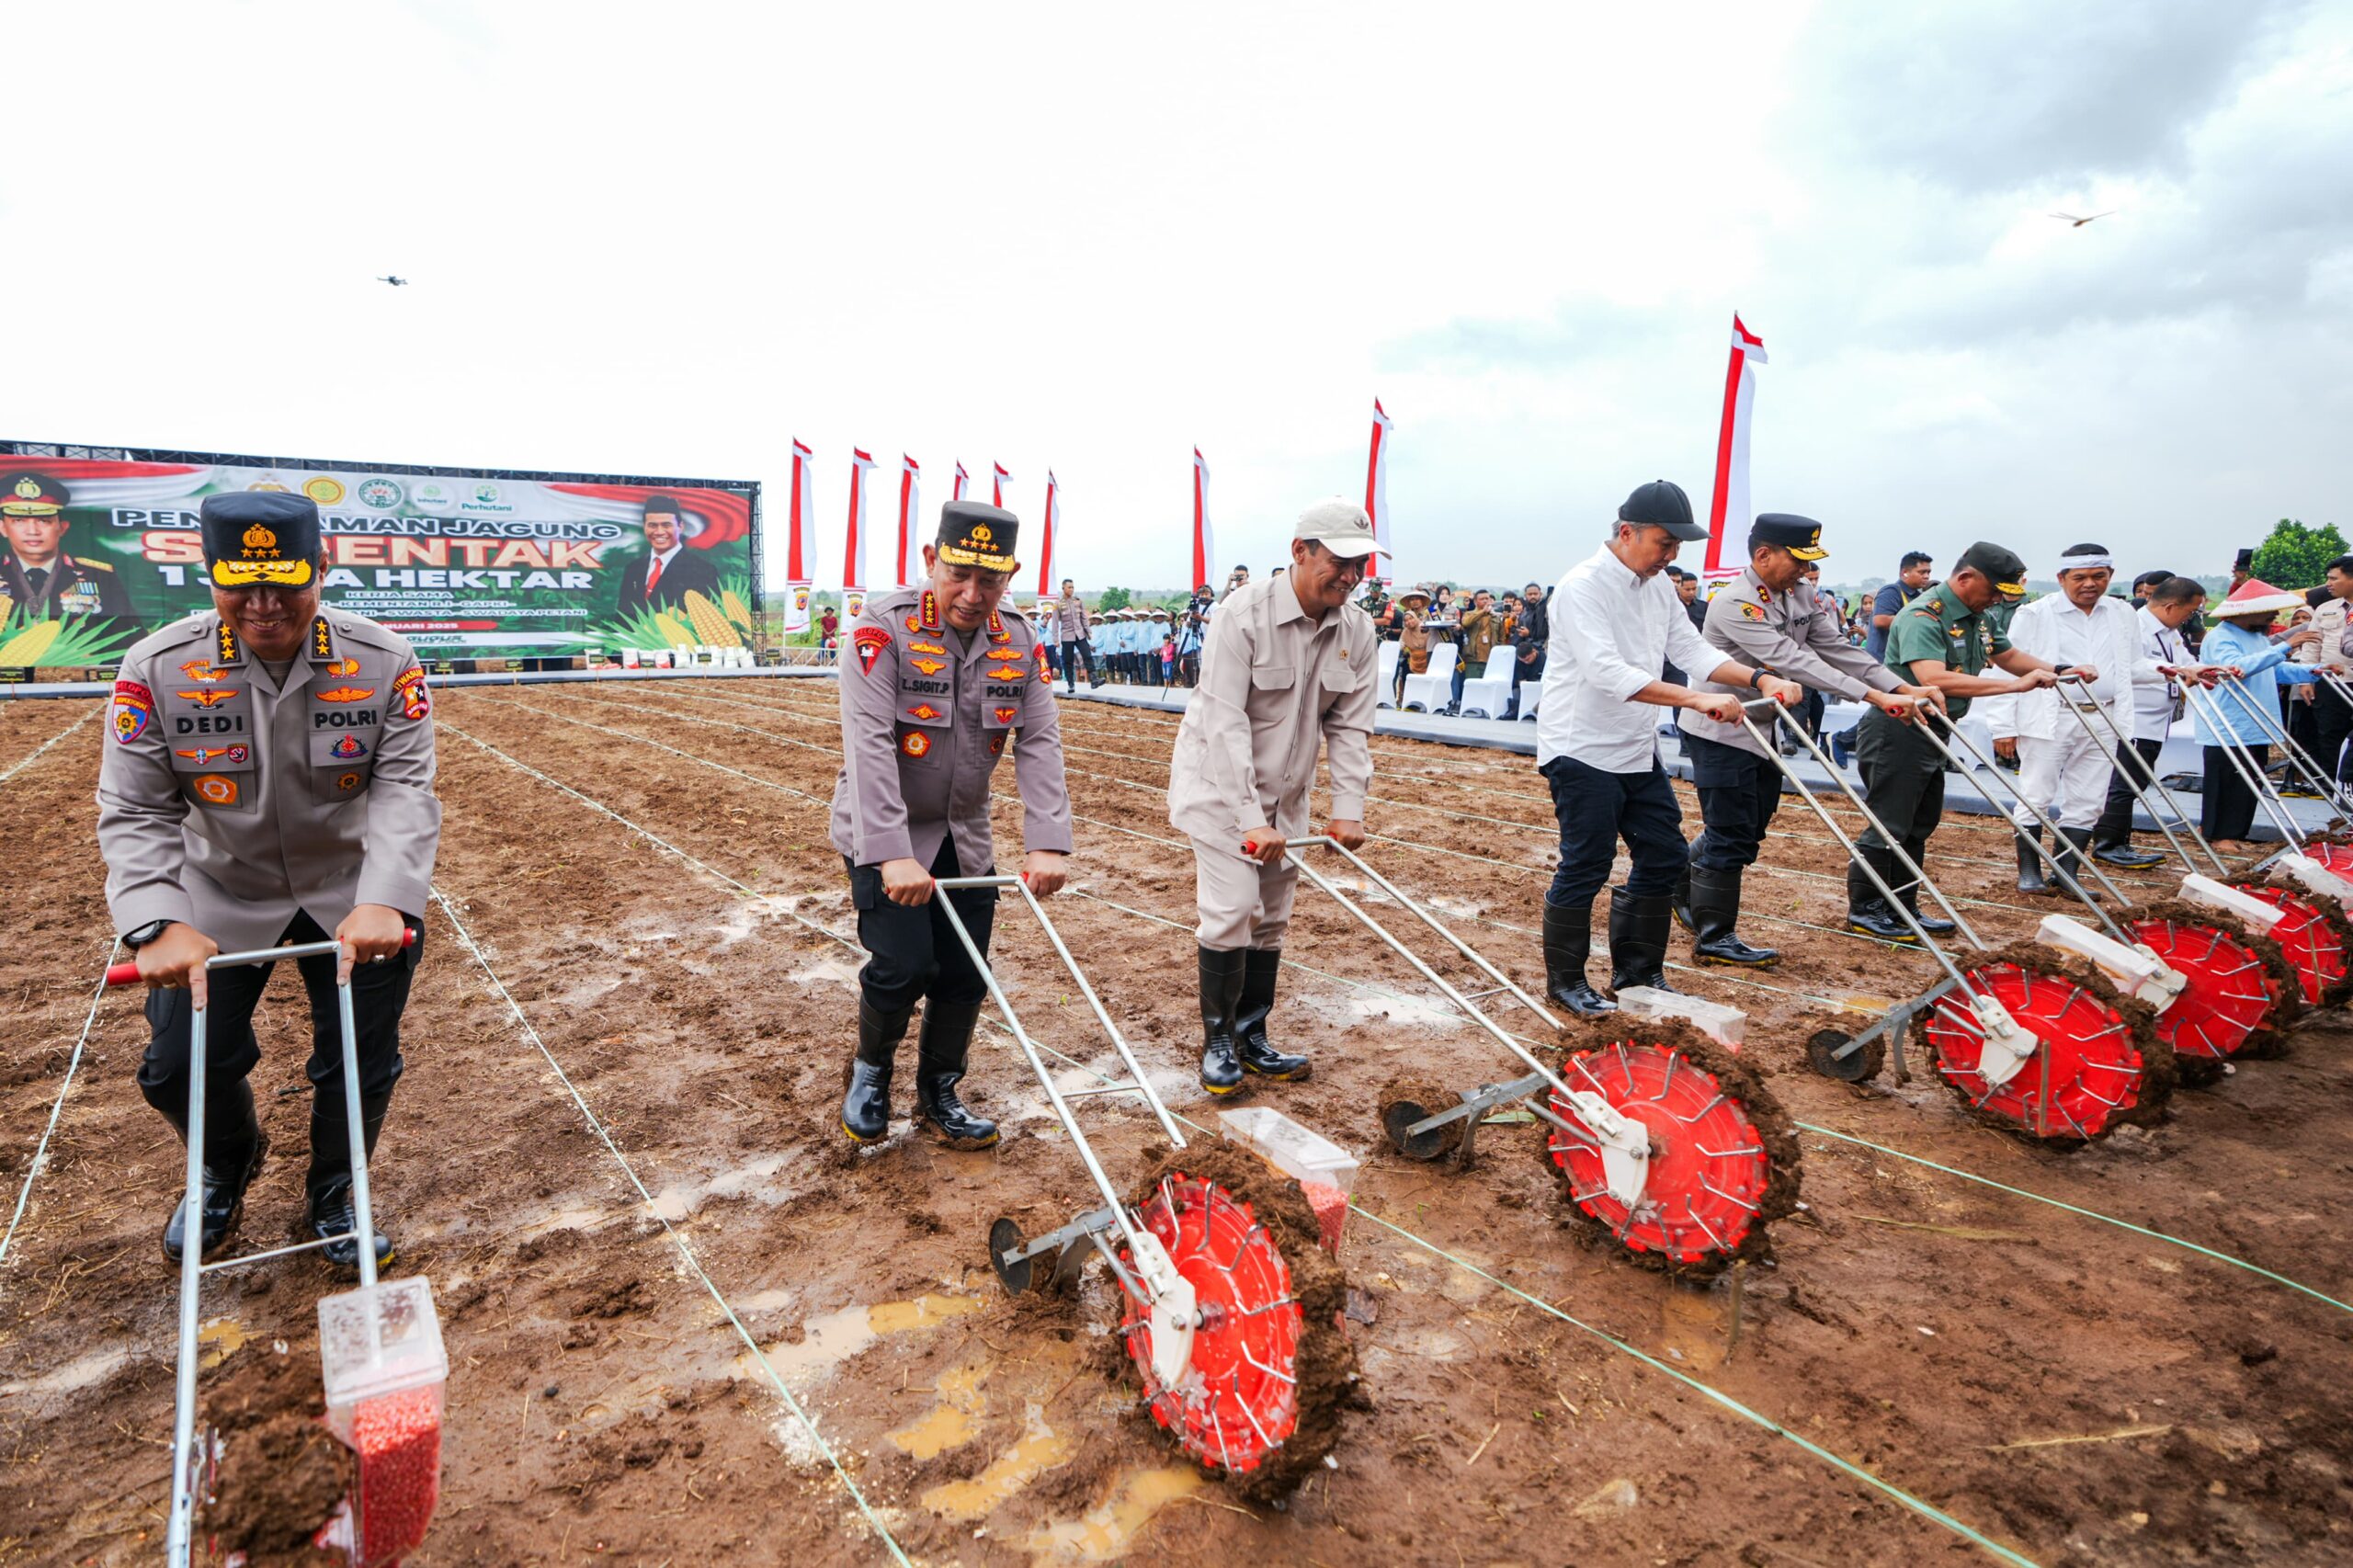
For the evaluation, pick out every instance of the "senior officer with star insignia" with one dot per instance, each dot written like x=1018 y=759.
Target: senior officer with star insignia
x=1770 y=618
x=938 y=684
x=269 y=781
x=37 y=576
x=1942 y=639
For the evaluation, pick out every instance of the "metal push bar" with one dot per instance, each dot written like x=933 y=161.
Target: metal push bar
x=2291 y=750
x=2240 y=756
x=2130 y=756
x=2041 y=816
x=179 y=1527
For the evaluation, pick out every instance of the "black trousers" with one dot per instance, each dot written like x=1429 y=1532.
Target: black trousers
x=2226 y=810
x=914 y=953
x=2115 y=824
x=1739 y=792
x=1075 y=652
x=2332 y=726
x=1594 y=808
x=378 y=995
x=1904 y=782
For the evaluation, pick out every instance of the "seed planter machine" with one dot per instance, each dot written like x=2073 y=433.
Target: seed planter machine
x=379 y=1347
x=1228 y=1289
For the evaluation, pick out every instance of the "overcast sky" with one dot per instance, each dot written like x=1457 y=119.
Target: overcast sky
x=667 y=239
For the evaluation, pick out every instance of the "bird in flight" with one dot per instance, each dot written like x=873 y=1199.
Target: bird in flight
x=395 y=282
x=2075 y=222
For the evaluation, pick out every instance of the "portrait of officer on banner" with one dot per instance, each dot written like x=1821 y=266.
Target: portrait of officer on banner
x=669 y=570
x=40 y=580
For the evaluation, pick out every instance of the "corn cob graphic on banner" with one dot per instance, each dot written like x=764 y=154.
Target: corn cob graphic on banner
x=711 y=628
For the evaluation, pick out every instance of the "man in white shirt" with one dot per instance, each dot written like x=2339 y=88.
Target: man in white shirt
x=2064 y=766
x=1616 y=621
x=2162 y=663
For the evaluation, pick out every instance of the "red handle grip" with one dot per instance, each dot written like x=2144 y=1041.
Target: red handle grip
x=127 y=971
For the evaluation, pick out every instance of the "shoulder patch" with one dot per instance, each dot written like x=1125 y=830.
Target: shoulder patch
x=134 y=706
x=870 y=641
x=1750 y=611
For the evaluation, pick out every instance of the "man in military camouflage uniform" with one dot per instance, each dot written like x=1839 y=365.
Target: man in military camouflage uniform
x=1769 y=618
x=1942 y=639
x=38 y=578
x=936 y=683
x=269 y=781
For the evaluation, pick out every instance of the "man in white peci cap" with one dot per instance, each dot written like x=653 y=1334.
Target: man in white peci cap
x=1289 y=661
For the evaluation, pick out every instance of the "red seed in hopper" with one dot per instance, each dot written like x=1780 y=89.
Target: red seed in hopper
x=398 y=1439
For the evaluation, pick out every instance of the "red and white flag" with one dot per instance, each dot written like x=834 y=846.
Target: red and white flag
x=963 y=478
x=910 y=516
x=1204 y=550
x=996 y=490
x=1376 y=480
x=1049 y=533
x=800 y=531
x=854 y=554
x=1728 y=506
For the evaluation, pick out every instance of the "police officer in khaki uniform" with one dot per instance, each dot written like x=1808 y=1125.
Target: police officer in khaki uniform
x=936 y=684
x=270 y=781
x=38 y=577
x=1770 y=619
x=1290 y=665
x=1942 y=639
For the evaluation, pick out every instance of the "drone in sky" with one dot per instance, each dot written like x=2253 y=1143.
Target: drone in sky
x=395 y=282
x=2075 y=222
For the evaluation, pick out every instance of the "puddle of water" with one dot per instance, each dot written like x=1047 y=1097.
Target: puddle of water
x=220 y=1339
x=78 y=1374
x=831 y=1338
x=578 y=1217
x=678 y=1199
x=1698 y=1324
x=948 y=1424
x=1102 y=1534
x=765 y=1301
x=827 y=969
x=1862 y=1002
x=1041 y=1449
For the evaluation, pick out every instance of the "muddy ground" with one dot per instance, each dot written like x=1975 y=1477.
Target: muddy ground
x=1931 y=1330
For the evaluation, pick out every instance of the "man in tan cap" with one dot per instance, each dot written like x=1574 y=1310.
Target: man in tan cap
x=1289 y=661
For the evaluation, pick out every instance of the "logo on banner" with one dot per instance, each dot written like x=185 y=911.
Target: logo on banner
x=799 y=596
x=383 y=494
x=870 y=641
x=215 y=789
x=324 y=491
x=134 y=705
x=432 y=496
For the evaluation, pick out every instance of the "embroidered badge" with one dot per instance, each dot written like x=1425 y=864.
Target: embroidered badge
x=134 y=705
x=226 y=650
x=997 y=633
x=1009 y=672
x=1045 y=671
x=416 y=700
x=346 y=782
x=996 y=743
x=1751 y=612
x=202 y=671
x=914 y=743
x=923 y=710
x=870 y=642
x=322 y=644
x=215 y=789
x=206 y=754
x=929 y=666
x=926 y=648
x=346 y=694
x=350 y=748
x=208 y=699
x=1006 y=715
x=344 y=667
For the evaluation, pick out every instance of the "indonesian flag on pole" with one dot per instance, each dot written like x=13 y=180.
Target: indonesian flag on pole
x=996 y=489
x=1376 y=482
x=853 y=555
x=1052 y=530
x=963 y=478
x=1728 y=508
x=910 y=514
x=1204 y=550
x=797 y=579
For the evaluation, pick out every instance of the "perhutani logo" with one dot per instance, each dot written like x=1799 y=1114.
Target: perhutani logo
x=485 y=497
x=486 y=493
x=383 y=494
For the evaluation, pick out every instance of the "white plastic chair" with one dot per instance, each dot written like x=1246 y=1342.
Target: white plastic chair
x=1486 y=697
x=1425 y=693
x=1387 y=660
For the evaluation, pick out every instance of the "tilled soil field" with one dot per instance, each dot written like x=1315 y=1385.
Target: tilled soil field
x=643 y=869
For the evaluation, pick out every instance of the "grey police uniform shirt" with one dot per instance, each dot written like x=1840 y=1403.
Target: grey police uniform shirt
x=227 y=802
x=925 y=717
x=1793 y=635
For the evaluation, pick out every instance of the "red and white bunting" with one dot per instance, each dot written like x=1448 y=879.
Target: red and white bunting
x=1204 y=548
x=996 y=490
x=1050 y=533
x=799 y=530
x=1376 y=482
x=854 y=553
x=1728 y=506
x=910 y=515
x=963 y=478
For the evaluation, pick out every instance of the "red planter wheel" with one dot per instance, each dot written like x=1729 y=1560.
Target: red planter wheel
x=2311 y=941
x=2091 y=1074
x=2226 y=999
x=1239 y=1399
x=2337 y=858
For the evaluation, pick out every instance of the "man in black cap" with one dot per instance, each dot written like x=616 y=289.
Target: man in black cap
x=1769 y=617
x=1615 y=622
x=1943 y=639
x=668 y=570
x=937 y=683
x=38 y=577
x=270 y=781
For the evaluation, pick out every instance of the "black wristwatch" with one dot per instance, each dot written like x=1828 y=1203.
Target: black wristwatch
x=137 y=940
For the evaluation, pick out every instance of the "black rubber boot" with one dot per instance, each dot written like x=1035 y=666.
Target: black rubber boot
x=1568 y=942
x=2030 y=878
x=329 y=1182
x=2120 y=852
x=1259 y=970
x=1222 y=977
x=1715 y=909
x=866 y=1095
x=1638 y=925
x=2076 y=842
x=941 y=1052
x=1934 y=924
x=234 y=1147
x=1681 y=902
x=1866 y=912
